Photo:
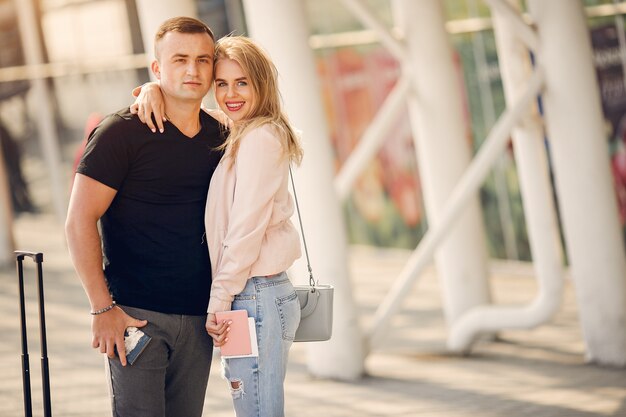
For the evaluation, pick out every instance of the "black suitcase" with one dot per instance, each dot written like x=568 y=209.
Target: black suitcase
x=45 y=374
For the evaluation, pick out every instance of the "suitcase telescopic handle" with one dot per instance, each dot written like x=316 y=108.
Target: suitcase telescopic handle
x=35 y=256
x=45 y=371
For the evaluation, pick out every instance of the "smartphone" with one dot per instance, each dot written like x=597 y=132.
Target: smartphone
x=135 y=341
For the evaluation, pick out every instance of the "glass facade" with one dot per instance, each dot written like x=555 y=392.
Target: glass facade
x=385 y=207
x=99 y=42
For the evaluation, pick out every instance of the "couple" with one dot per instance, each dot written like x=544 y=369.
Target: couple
x=160 y=220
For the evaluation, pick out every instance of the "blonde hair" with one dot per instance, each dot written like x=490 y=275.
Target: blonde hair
x=266 y=108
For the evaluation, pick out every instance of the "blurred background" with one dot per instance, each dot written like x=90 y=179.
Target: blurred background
x=65 y=64
x=92 y=56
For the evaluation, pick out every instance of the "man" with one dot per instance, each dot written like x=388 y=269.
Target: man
x=149 y=192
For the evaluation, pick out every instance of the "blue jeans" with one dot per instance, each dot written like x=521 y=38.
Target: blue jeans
x=256 y=384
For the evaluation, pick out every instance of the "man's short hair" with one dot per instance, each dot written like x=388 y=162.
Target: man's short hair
x=181 y=24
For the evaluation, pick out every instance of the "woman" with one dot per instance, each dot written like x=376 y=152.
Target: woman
x=251 y=240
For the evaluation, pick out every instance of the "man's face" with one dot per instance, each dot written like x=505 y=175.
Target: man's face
x=184 y=65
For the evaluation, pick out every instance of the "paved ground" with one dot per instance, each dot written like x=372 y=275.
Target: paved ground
x=538 y=373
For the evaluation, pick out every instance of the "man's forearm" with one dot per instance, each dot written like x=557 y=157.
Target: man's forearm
x=83 y=242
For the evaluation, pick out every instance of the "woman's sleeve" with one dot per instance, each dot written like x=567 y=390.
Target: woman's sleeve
x=259 y=168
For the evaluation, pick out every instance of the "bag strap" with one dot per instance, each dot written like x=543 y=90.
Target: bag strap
x=306 y=251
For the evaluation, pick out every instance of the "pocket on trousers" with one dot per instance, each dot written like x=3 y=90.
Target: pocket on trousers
x=289 y=314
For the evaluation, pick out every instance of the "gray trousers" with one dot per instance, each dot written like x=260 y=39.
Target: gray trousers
x=170 y=377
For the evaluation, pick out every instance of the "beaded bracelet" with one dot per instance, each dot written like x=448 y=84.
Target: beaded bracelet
x=103 y=310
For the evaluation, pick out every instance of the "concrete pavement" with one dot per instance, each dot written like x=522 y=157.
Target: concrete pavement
x=538 y=373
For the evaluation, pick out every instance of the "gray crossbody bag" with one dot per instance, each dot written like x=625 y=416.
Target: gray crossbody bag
x=316 y=300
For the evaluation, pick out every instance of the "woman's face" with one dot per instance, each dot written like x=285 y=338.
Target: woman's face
x=233 y=91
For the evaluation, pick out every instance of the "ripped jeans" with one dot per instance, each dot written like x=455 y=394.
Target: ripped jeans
x=256 y=384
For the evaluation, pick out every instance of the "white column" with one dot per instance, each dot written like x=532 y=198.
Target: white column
x=532 y=165
x=46 y=128
x=7 y=245
x=443 y=153
x=536 y=190
x=584 y=184
x=281 y=27
x=154 y=12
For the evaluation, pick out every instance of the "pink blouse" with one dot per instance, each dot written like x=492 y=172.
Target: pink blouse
x=247 y=218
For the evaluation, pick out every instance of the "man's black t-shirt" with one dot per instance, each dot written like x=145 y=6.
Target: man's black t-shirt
x=155 y=253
